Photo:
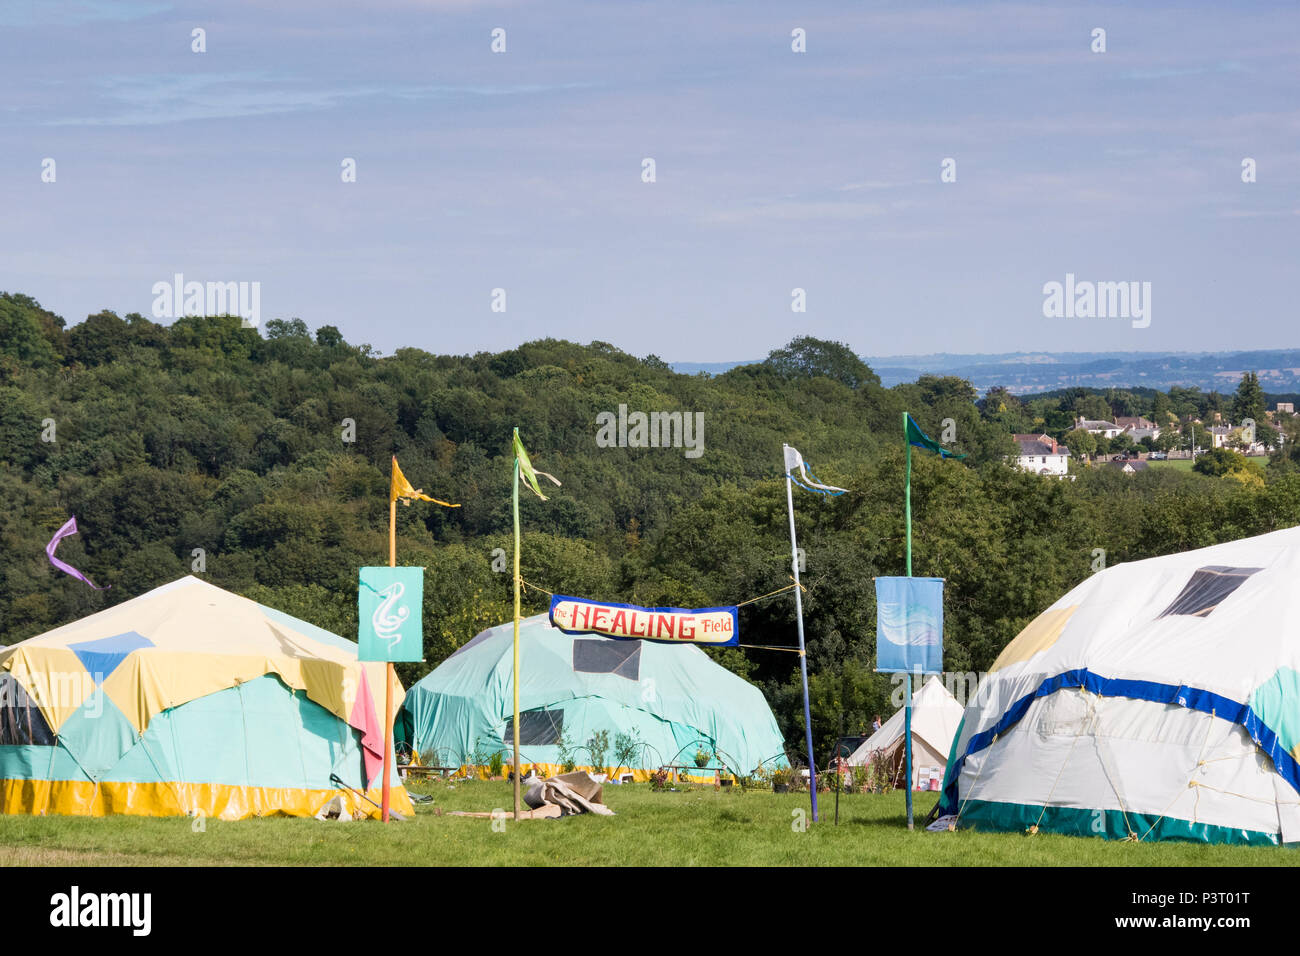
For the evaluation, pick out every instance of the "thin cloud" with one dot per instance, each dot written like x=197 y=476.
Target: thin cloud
x=153 y=99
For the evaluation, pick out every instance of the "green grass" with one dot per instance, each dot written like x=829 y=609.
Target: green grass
x=1185 y=464
x=699 y=827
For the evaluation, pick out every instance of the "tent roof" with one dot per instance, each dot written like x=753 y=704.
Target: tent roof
x=935 y=718
x=185 y=640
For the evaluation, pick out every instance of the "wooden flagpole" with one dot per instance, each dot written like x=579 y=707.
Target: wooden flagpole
x=388 y=680
x=803 y=655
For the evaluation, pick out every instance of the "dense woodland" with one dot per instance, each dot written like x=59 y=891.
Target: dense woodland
x=205 y=435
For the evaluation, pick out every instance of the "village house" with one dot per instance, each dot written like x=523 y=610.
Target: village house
x=1103 y=428
x=1129 y=466
x=1220 y=435
x=1138 y=428
x=1042 y=455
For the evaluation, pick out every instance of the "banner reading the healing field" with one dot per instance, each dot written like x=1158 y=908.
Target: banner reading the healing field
x=909 y=625
x=715 y=626
x=388 y=608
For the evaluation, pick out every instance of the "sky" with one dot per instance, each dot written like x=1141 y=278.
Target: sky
x=774 y=170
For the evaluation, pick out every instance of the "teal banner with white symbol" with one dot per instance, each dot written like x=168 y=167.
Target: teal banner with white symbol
x=388 y=605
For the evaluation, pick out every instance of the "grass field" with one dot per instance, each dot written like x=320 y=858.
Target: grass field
x=701 y=827
x=1185 y=464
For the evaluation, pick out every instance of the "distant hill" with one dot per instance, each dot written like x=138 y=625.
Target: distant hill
x=1029 y=372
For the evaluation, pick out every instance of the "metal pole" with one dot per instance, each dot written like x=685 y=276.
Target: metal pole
x=907 y=716
x=907 y=748
x=838 y=745
x=803 y=656
x=515 y=679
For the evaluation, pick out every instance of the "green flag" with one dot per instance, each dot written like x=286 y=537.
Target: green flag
x=921 y=440
x=527 y=470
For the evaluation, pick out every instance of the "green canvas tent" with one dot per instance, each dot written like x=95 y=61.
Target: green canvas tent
x=672 y=696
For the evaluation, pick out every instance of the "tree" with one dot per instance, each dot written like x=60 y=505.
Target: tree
x=1122 y=401
x=1122 y=444
x=287 y=328
x=1092 y=407
x=1248 y=402
x=1194 y=436
x=807 y=357
x=1081 y=443
x=26 y=331
x=101 y=339
x=1266 y=434
x=327 y=336
x=1161 y=408
x=1220 y=461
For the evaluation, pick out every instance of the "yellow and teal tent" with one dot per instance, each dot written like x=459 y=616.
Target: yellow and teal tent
x=189 y=700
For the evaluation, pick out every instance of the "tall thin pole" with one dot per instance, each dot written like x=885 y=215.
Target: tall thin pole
x=907 y=747
x=515 y=679
x=388 y=673
x=907 y=704
x=838 y=745
x=907 y=496
x=803 y=656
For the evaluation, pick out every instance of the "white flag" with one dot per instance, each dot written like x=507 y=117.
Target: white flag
x=794 y=463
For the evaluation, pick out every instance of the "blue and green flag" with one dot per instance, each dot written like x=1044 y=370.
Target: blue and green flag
x=921 y=440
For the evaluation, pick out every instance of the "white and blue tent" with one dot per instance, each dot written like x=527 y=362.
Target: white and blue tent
x=1159 y=699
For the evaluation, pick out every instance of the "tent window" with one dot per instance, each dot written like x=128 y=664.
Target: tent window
x=537 y=728
x=1207 y=589
x=21 y=721
x=608 y=656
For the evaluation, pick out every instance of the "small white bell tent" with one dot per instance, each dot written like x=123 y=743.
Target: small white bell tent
x=935 y=718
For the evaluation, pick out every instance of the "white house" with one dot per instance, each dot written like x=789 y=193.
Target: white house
x=1105 y=429
x=1138 y=428
x=1042 y=455
x=1130 y=466
x=1219 y=435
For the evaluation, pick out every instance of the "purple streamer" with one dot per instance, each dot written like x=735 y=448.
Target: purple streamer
x=69 y=529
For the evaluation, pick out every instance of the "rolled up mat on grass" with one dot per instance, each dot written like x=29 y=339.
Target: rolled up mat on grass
x=334 y=779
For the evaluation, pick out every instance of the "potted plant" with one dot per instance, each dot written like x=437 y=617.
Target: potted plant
x=701 y=758
x=598 y=747
x=781 y=779
x=568 y=763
